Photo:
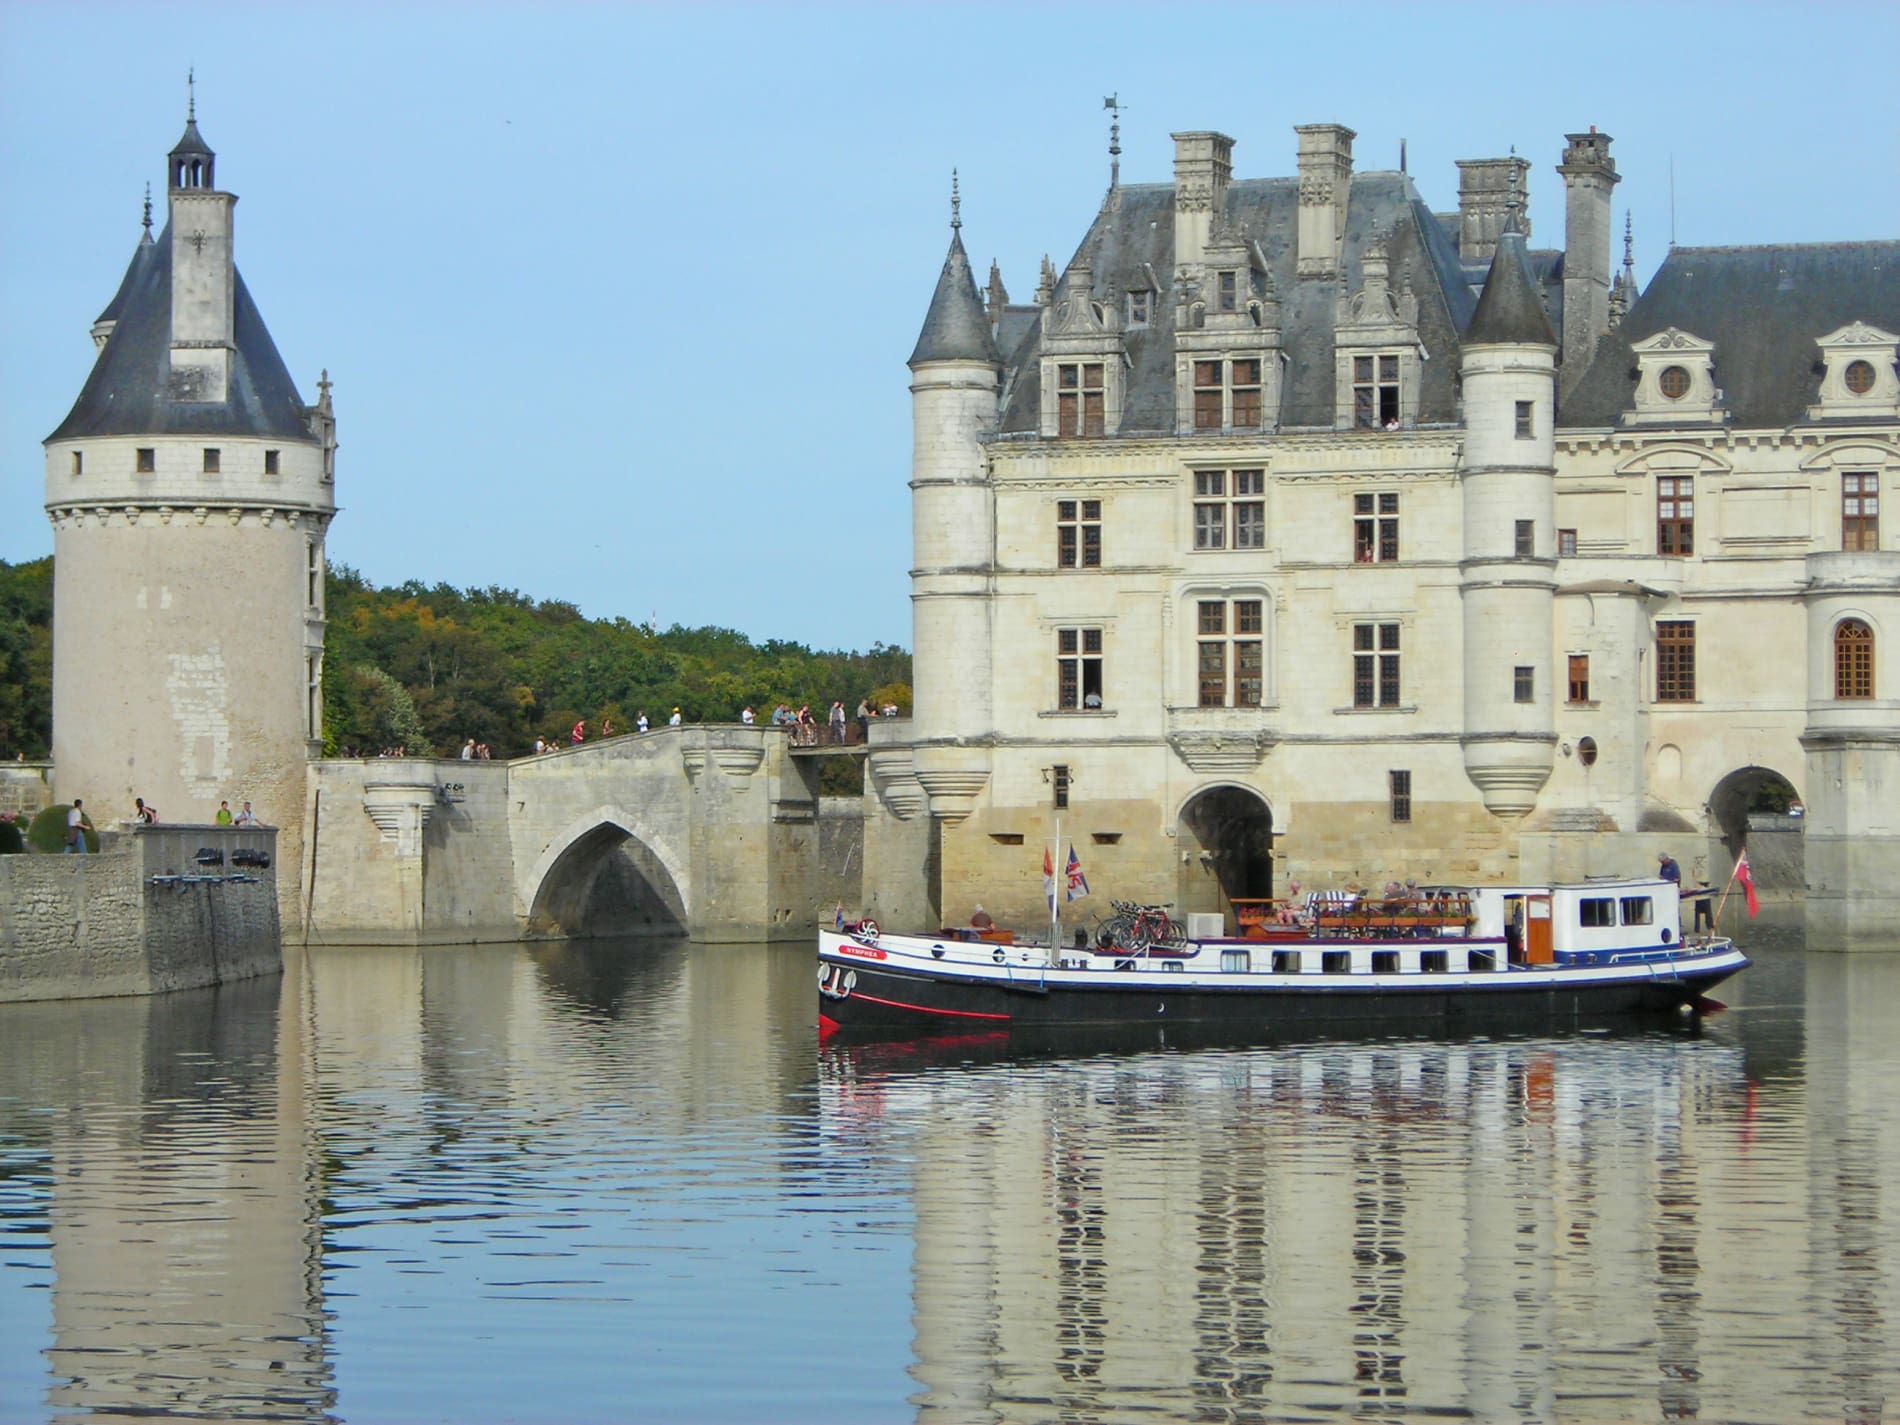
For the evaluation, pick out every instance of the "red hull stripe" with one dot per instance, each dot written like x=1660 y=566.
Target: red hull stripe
x=921 y=1009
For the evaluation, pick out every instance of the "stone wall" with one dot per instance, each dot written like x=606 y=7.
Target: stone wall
x=140 y=917
x=25 y=787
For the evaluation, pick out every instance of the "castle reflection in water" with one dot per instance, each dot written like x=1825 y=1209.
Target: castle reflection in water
x=225 y=1194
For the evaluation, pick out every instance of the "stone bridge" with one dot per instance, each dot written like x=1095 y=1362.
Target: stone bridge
x=713 y=831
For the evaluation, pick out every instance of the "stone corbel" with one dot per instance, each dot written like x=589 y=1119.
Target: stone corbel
x=401 y=811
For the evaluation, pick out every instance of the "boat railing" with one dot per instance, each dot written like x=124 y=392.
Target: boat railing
x=1355 y=914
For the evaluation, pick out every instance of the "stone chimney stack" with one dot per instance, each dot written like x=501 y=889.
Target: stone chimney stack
x=204 y=278
x=1325 y=164
x=1589 y=173
x=1485 y=186
x=1203 y=164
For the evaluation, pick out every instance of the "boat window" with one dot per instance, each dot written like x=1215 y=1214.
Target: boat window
x=1637 y=910
x=1335 y=962
x=1432 y=962
x=1385 y=962
x=1286 y=962
x=1236 y=960
x=1596 y=911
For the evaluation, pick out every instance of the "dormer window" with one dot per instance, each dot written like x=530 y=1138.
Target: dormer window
x=1140 y=306
x=1081 y=399
x=1675 y=381
x=1375 y=392
x=1859 y=381
x=1227 y=291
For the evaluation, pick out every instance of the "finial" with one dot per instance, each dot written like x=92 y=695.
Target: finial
x=1113 y=104
x=148 y=207
x=956 y=203
x=1511 y=203
x=1401 y=155
x=1628 y=241
x=191 y=95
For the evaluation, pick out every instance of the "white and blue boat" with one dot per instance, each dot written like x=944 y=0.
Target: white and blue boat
x=1463 y=959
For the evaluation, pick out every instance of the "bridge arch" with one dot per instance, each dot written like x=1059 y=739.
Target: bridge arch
x=604 y=874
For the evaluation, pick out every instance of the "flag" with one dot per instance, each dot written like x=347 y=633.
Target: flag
x=1748 y=884
x=1078 y=883
x=839 y=919
x=1049 y=880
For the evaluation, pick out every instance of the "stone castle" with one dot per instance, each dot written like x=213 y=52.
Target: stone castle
x=1294 y=531
x=1298 y=532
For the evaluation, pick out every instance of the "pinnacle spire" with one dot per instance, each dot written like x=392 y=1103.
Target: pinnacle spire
x=148 y=208
x=956 y=204
x=956 y=328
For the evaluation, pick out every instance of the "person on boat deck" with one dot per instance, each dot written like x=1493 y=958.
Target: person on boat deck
x=980 y=920
x=1288 y=911
x=1667 y=868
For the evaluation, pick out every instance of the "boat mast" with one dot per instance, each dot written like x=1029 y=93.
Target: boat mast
x=1056 y=873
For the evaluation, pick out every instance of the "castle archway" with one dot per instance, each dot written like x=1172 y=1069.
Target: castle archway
x=602 y=879
x=1749 y=810
x=1225 y=837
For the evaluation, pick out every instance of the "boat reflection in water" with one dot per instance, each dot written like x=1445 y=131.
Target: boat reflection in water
x=1535 y=1229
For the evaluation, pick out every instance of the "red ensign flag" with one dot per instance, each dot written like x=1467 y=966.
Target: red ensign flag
x=1748 y=884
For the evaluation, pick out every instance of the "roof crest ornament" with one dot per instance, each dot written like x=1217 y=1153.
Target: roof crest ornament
x=956 y=204
x=148 y=207
x=1113 y=103
x=191 y=94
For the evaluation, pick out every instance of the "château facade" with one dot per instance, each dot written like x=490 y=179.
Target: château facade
x=1296 y=531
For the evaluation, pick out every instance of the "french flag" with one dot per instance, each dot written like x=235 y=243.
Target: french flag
x=1049 y=880
x=1748 y=884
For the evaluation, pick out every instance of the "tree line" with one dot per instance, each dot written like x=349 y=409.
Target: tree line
x=427 y=668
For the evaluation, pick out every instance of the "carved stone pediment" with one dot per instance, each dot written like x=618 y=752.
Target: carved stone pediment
x=1222 y=750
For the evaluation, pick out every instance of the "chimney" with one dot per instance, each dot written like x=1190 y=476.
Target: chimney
x=204 y=284
x=1484 y=188
x=1589 y=173
x=1325 y=164
x=1203 y=162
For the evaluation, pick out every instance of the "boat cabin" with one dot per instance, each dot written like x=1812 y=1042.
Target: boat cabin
x=1596 y=922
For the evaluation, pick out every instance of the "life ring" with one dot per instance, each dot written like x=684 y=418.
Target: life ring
x=865 y=930
x=997 y=955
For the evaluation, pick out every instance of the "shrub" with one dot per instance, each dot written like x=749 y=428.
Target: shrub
x=12 y=838
x=48 y=831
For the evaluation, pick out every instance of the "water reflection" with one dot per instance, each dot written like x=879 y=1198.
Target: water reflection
x=611 y=1181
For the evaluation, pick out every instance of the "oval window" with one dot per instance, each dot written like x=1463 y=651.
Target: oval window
x=1859 y=377
x=1587 y=751
x=1674 y=382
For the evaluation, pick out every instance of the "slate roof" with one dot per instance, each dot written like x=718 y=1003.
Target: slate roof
x=956 y=327
x=126 y=392
x=1134 y=232
x=1763 y=308
x=1510 y=309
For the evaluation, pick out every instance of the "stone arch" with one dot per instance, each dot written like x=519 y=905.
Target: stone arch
x=1225 y=835
x=601 y=876
x=1772 y=840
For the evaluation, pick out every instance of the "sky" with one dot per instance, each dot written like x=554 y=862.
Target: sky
x=617 y=298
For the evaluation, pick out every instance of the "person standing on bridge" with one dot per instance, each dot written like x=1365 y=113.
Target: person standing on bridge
x=745 y=716
x=836 y=719
x=640 y=722
x=579 y=734
x=674 y=720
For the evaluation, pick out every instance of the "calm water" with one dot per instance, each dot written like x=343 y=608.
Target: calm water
x=620 y=1182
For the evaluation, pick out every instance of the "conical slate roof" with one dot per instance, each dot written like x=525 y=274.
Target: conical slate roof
x=192 y=143
x=1509 y=309
x=142 y=257
x=956 y=327
x=128 y=391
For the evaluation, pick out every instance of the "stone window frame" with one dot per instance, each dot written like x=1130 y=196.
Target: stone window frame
x=1524 y=683
x=1223 y=516
x=1676 y=660
x=1081 y=660
x=1222 y=626
x=1398 y=781
x=1860 y=511
x=1141 y=305
x=1375 y=527
x=1841 y=349
x=1112 y=389
x=1853 y=660
x=1675 y=530
x=1671 y=350
x=1078 y=533
x=1377 y=684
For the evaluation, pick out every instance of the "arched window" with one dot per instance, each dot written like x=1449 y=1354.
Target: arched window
x=1853 y=659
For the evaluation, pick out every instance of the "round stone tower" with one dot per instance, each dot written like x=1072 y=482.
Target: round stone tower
x=954 y=374
x=1508 y=574
x=189 y=491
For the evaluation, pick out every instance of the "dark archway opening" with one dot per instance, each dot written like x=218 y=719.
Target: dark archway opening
x=608 y=883
x=1226 y=842
x=1756 y=809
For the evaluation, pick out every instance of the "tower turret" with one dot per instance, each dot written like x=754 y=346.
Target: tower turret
x=190 y=489
x=1507 y=575
x=955 y=372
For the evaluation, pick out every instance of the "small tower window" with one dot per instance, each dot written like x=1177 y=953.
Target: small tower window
x=1524 y=684
x=79 y=463
x=1524 y=420
x=270 y=462
x=213 y=460
x=1526 y=538
x=1853 y=659
x=147 y=460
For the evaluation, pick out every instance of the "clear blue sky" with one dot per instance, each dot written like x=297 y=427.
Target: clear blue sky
x=617 y=298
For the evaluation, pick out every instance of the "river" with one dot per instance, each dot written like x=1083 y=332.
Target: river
x=621 y=1181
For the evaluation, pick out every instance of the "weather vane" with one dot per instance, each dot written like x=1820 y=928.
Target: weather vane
x=1113 y=103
